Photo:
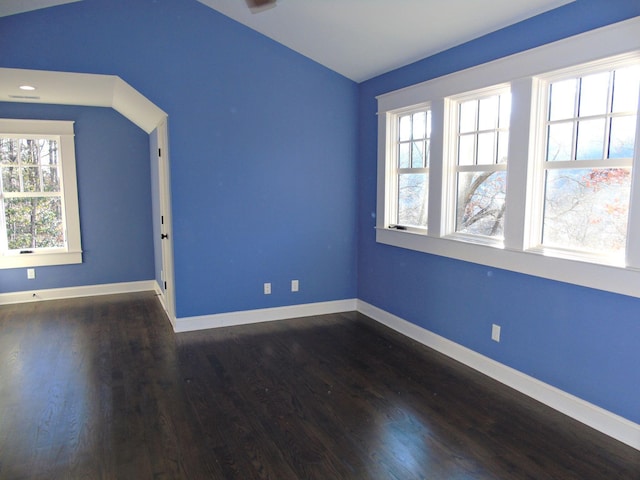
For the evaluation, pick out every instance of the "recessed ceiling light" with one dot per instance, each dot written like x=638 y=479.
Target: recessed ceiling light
x=27 y=87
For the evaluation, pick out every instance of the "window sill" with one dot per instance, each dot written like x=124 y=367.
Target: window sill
x=539 y=263
x=40 y=259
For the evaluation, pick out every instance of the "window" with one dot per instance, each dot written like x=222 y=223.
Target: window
x=410 y=168
x=39 y=221
x=590 y=130
x=481 y=143
x=528 y=162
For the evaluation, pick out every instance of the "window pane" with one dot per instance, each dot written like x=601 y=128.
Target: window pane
x=9 y=149
x=29 y=152
x=417 y=155
x=488 y=117
x=48 y=152
x=625 y=89
x=505 y=110
x=594 y=94
x=10 y=179
x=562 y=100
x=30 y=179
x=34 y=223
x=590 y=139
x=466 y=147
x=468 y=114
x=419 y=125
x=587 y=209
x=503 y=147
x=622 y=137
x=405 y=128
x=412 y=199
x=481 y=203
x=404 y=155
x=50 y=179
x=560 y=142
x=486 y=148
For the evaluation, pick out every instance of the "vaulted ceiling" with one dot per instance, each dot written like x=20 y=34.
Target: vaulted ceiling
x=363 y=38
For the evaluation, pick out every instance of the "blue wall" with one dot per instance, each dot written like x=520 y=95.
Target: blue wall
x=114 y=192
x=263 y=144
x=273 y=164
x=582 y=341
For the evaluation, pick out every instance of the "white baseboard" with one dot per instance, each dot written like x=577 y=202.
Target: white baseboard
x=73 y=292
x=163 y=301
x=598 y=418
x=263 y=315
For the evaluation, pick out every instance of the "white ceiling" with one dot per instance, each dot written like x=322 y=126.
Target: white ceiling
x=11 y=7
x=363 y=38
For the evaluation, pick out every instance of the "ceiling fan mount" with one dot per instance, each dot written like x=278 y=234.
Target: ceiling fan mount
x=257 y=6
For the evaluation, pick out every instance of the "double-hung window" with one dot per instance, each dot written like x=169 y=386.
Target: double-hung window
x=409 y=168
x=481 y=144
x=39 y=218
x=528 y=163
x=589 y=126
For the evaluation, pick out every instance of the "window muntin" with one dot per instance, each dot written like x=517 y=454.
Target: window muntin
x=31 y=191
x=590 y=131
x=526 y=74
x=39 y=217
x=481 y=152
x=411 y=147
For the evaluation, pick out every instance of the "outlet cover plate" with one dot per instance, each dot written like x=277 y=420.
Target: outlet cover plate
x=495 y=332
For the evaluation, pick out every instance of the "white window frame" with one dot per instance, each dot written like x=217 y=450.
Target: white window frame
x=537 y=180
x=452 y=169
x=519 y=253
x=71 y=253
x=393 y=169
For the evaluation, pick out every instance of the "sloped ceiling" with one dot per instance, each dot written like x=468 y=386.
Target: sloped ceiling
x=363 y=38
x=356 y=38
x=11 y=7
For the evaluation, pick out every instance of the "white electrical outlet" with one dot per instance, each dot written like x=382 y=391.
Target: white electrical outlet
x=31 y=273
x=267 y=289
x=495 y=332
x=295 y=285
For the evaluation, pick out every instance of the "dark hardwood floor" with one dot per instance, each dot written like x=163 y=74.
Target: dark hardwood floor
x=101 y=388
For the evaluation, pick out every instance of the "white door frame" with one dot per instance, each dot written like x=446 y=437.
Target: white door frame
x=166 y=225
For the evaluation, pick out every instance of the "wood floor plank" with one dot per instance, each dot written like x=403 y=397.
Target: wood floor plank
x=101 y=388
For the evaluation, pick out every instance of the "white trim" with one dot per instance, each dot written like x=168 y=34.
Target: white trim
x=23 y=128
x=69 y=88
x=188 y=324
x=135 y=106
x=163 y=301
x=40 y=260
x=540 y=263
x=596 y=417
x=69 y=187
x=520 y=251
x=164 y=191
x=63 y=132
x=38 y=295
